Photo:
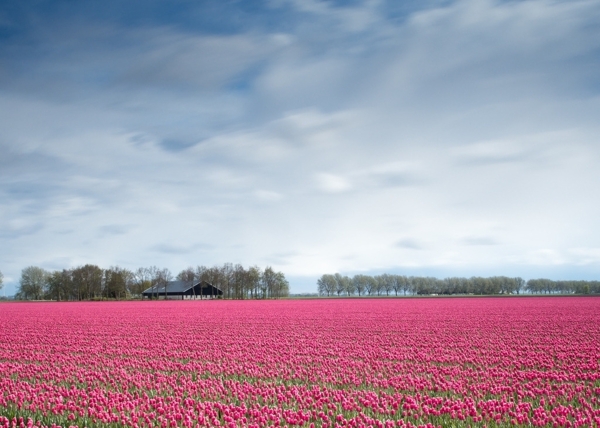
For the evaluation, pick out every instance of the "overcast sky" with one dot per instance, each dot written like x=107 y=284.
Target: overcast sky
x=420 y=137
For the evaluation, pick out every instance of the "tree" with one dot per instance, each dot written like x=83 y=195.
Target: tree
x=239 y=281
x=32 y=283
x=359 y=283
x=163 y=277
x=418 y=285
x=87 y=282
x=117 y=281
x=1 y=280
x=370 y=284
x=379 y=283
x=330 y=284
x=495 y=285
x=327 y=284
x=201 y=274
x=396 y=281
x=481 y=285
x=188 y=277
x=213 y=276
x=281 y=287
x=253 y=276
x=154 y=274
x=450 y=286
x=350 y=289
x=537 y=285
x=388 y=283
x=321 y=287
x=142 y=280
x=226 y=279
x=340 y=283
x=268 y=282
x=59 y=285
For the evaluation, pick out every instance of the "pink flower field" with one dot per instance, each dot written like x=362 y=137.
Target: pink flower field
x=321 y=363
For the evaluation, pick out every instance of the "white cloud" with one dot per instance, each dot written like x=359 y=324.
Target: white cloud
x=332 y=183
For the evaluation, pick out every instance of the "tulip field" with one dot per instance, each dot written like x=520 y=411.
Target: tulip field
x=443 y=362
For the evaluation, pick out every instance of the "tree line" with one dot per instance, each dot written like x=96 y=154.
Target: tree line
x=385 y=284
x=90 y=282
x=548 y=286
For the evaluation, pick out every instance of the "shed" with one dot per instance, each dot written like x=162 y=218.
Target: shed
x=184 y=289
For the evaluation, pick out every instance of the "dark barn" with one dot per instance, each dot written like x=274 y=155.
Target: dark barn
x=184 y=289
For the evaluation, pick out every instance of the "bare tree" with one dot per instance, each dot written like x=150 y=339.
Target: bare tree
x=142 y=280
x=154 y=274
x=254 y=276
x=202 y=275
x=213 y=276
x=239 y=281
x=164 y=276
x=227 y=279
x=188 y=277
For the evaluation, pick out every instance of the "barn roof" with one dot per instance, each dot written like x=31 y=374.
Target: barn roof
x=172 y=287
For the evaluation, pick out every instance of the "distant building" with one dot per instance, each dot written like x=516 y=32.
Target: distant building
x=187 y=290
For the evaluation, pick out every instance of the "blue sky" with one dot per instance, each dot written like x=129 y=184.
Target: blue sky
x=419 y=137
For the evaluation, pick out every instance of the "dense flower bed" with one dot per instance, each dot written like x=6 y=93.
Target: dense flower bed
x=373 y=362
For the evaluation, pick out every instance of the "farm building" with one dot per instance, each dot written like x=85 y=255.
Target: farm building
x=186 y=290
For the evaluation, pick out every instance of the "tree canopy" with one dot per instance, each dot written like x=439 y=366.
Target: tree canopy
x=90 y=282
x=386 y=284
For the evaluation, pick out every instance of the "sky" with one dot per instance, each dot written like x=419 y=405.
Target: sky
x=433 y=138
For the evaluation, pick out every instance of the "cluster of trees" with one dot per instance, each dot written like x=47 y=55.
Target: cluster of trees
x=87 y=282
x=547 y=286
x=386 y=284
x=236 y=282
x=91 y=282
x=337 y=284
